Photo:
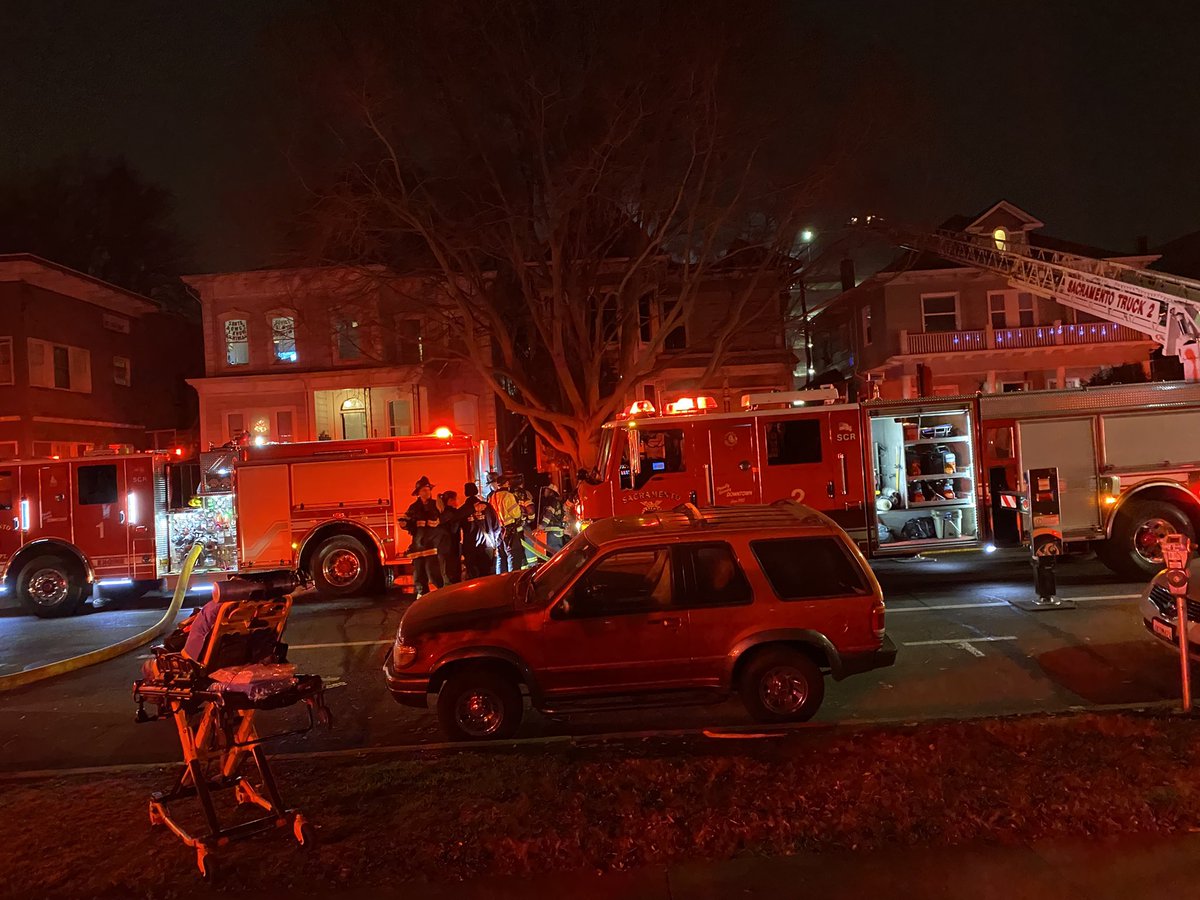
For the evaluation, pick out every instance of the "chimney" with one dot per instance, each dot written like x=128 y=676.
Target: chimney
x=1143 y=245
x=847 y=274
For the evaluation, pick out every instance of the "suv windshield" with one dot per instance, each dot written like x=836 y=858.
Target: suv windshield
x=549 y=579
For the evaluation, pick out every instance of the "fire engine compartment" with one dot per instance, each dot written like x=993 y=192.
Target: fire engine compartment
x=923 y=465
x=196 y=504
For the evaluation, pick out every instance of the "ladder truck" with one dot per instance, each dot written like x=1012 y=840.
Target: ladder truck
x=1165 y=307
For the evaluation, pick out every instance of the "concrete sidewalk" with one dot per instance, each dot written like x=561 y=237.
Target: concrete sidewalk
x=1071 y=870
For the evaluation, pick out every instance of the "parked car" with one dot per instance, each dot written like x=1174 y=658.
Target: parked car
x=658 y=609
x=1157 y=607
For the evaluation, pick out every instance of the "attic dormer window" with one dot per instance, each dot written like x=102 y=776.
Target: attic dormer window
x=1000 y=236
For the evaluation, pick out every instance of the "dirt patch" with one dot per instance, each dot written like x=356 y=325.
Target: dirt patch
x=452 y=816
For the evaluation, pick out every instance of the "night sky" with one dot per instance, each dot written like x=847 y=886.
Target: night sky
x=1087 y=114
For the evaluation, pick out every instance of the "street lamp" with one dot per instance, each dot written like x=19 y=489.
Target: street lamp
x=807 y=235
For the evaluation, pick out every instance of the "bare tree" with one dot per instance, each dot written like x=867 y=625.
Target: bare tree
x=572 y=178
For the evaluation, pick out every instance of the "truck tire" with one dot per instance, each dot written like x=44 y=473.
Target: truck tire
x=342 y=566
x=479 y=704
x=781 y=684
x=52 y=585
x=1133 y=551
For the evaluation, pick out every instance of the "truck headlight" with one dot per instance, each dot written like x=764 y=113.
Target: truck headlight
x=403 y=655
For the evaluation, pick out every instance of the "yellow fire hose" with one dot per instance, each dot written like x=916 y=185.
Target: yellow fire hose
x=29 y=676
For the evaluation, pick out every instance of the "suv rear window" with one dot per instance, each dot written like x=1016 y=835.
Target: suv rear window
x=804 y=568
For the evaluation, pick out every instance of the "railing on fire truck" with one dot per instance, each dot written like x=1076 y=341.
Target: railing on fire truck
x=920 y=343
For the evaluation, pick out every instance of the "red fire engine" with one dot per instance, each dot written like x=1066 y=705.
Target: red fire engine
x=326 y=511
x=917 y=475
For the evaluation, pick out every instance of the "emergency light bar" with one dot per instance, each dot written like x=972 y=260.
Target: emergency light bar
x=639 y=408
x=767 y=399
x=690 y=405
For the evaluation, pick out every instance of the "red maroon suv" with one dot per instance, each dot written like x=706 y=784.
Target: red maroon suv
x=645 y=610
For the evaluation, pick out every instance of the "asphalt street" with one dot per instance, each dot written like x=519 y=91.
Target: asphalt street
x=964 y=650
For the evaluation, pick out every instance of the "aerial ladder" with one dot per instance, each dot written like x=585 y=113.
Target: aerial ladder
x=1164 y=307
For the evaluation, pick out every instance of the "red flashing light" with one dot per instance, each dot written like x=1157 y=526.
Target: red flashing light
x=639 y=408
x=179 y=451
x=691 y=405
x=443 y=433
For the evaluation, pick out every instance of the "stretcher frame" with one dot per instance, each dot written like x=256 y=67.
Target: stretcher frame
x=217 y=732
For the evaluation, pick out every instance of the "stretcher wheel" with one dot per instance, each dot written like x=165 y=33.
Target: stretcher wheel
x=305 y=835
x=206 y=863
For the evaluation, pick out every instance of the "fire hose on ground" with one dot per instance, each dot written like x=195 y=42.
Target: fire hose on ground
x=103 y=654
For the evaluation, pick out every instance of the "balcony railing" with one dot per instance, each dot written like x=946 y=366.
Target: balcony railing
x=921 y=343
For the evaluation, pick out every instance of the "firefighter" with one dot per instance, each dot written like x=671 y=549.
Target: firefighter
x=528 y=517
x=423 y=522
x=481 y=533
x=554 y=519
x=449 y=547
x=508 y=513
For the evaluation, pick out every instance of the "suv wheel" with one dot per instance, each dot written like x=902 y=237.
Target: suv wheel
x=782 y=685
x=479 y=705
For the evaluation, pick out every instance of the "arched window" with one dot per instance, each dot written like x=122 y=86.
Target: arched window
x=237 y=342
x=353 y=403
x=354 y=419
x=1000 y=236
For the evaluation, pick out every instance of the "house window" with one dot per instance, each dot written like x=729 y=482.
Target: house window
x=866 y=325
x=59 y=366
x=347 y=336
x=283 y=426
x=1000 y=236
x=237 y=342
x=410 y=348
x=997 y=310
x=6 y=361
x=283 y=337
x=1012 y=387
x=62 y=367
x=939 y=312
x=8 y=450
x=400 y=418
x=121 y=371
x=1025 y=313
x=235 y=426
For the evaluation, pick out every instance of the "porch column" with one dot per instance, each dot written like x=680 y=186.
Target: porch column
x=1060 y=377
x=906 y=386
x=990 y=385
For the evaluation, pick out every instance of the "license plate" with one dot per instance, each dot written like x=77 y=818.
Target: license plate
x=1163 y=630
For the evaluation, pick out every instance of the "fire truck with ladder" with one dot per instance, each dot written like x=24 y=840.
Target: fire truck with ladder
x=325 y=511
x=911 y=476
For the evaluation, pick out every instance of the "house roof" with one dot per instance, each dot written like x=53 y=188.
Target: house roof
x=51 y=276
x=1180 y=256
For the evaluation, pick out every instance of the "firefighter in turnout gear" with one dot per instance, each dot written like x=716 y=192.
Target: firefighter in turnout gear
x=423 y=522
x=528 y=516
x=554 y=519
x=508 y=512
x=481 y=533
x=449 y=549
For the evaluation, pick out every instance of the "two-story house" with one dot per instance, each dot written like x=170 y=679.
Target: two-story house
x=327 y=354
x=922 y=326
x=85 y=364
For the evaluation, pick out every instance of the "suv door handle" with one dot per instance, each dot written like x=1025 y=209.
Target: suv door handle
x=667 y=621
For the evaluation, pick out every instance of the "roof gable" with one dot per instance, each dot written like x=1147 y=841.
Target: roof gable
x=1003 y=215
x=59 y=279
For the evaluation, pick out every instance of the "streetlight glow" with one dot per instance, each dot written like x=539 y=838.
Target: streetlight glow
x=807 y=235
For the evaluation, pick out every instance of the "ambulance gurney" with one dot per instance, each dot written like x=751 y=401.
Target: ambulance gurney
x=214 y=700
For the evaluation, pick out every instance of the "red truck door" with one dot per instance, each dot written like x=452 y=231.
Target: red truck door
x=668 y=470
x=735 y=474
x=139 y=516
x=100 y=521
x=10 y=513
x=50 y=505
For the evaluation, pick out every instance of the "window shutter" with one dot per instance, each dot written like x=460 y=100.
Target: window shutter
x=81 y=370
x=39 y=370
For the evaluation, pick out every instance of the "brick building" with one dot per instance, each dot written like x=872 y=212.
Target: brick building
x=923 y=326
x=327 y=353
x=85 y=364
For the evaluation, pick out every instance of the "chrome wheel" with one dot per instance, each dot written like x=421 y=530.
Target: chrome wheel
x=783 y=690
x=342 y=567
x=1147 y=540
x=48 y=587
x=479 y=713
